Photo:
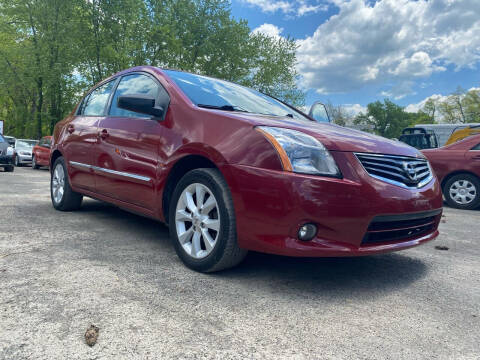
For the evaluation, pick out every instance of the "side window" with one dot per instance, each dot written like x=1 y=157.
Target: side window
x=95 y=103
x=476 y=147
x=137 y=84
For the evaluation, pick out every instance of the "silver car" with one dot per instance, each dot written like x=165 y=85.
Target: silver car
x=23 y=151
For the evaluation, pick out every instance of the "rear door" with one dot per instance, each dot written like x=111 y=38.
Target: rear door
x=127 y=152
x=82 y=136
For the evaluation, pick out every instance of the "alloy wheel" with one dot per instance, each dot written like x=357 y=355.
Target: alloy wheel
x=197 y=220
x=463 y=192
x=58 y=183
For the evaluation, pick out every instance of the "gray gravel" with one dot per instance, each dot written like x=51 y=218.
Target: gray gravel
x=62 y=272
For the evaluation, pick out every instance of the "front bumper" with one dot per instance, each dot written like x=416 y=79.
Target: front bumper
x=24 y=159
x=6 y=160
x=271 y=205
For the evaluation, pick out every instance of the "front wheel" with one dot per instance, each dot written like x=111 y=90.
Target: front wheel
x=34 y=163
x=9 y=168
x=462 y=191
x=62 y=195
x=17 y=163
x=202 y=222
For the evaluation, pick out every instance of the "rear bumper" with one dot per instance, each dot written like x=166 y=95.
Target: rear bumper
x=6 y=160
x=271 y=205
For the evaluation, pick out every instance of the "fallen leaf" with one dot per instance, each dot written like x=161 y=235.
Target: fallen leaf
x=441 y=247
x=91 y=335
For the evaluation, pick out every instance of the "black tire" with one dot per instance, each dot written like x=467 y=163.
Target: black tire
x=34 y=163
x=70 y=200
x=226 y=253
x=17 y=163
x=9 y=168
x=475 y=181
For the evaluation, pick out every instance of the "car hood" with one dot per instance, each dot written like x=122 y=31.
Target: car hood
x=334 y=137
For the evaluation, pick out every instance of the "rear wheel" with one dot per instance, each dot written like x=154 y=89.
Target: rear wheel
x=9 y=168
x=462 y=191
x=202 y=222
x=34 y=163
x=62 y=195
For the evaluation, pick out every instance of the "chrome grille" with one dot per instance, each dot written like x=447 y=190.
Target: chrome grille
x=402 y=171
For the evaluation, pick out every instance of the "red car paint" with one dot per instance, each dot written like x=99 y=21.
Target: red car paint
x=41 y=151
x=460 y=157
x=270 y=203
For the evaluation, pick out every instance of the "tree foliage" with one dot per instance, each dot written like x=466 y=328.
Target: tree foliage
x=51 y=51
x=461 y=106
x=385 y=118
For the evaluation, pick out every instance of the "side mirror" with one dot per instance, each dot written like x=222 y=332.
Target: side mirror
x=319 y=113
x=141 y=104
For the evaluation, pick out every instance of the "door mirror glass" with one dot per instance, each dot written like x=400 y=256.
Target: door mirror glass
x=319 y=113
x=141 y=104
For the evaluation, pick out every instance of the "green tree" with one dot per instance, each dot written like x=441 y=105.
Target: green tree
x=385 y=118
x=51 y=51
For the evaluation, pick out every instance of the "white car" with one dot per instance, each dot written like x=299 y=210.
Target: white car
x=23 y=151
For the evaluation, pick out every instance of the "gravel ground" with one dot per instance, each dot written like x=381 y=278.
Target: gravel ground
x=62 y=272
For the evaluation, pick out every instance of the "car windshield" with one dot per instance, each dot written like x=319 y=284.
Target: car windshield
x=213 y=93
x=2 y=139
x=23 y=144
x=31 y=142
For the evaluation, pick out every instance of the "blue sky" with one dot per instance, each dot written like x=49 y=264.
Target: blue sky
x=353 y=52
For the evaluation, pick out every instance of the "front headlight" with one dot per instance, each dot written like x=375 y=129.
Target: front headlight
x=10 y=150
x=299 y=152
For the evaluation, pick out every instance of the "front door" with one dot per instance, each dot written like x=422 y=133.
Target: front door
x=127 y=152
x=82 y=136
x=43 y=151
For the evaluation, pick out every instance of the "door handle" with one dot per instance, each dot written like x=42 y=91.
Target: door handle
x=103 y=134
x=71 y=128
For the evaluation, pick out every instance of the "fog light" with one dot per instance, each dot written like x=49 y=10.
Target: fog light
x=307 y=232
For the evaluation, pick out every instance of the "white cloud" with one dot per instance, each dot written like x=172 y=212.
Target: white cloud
x=390 y=42
x=354 y=109
x=436 y=97
x=418 y=106
x=289 y=7
x=269 y=30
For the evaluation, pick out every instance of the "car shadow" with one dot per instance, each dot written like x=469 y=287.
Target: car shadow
x=331 y=276
x=326 y=277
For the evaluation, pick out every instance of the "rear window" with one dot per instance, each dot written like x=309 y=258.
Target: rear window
x=476 y=147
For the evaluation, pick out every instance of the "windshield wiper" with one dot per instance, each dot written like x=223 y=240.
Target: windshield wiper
x=223 y=107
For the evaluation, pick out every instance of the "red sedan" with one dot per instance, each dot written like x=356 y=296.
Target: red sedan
x=41 y=153
x=231 y=169
x=458 y=168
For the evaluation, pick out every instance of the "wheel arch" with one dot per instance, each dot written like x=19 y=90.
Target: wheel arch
x=178 y=170
x=457 y=172
x=54 y=156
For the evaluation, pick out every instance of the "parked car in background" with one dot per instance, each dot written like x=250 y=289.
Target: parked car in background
x=41 y=152
x=462 y=133
x=6 y=155
x=457 y=167
x=419 y=138
x=231 y=169
x=23 y=151
x=10 y=140
x=443 y=132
